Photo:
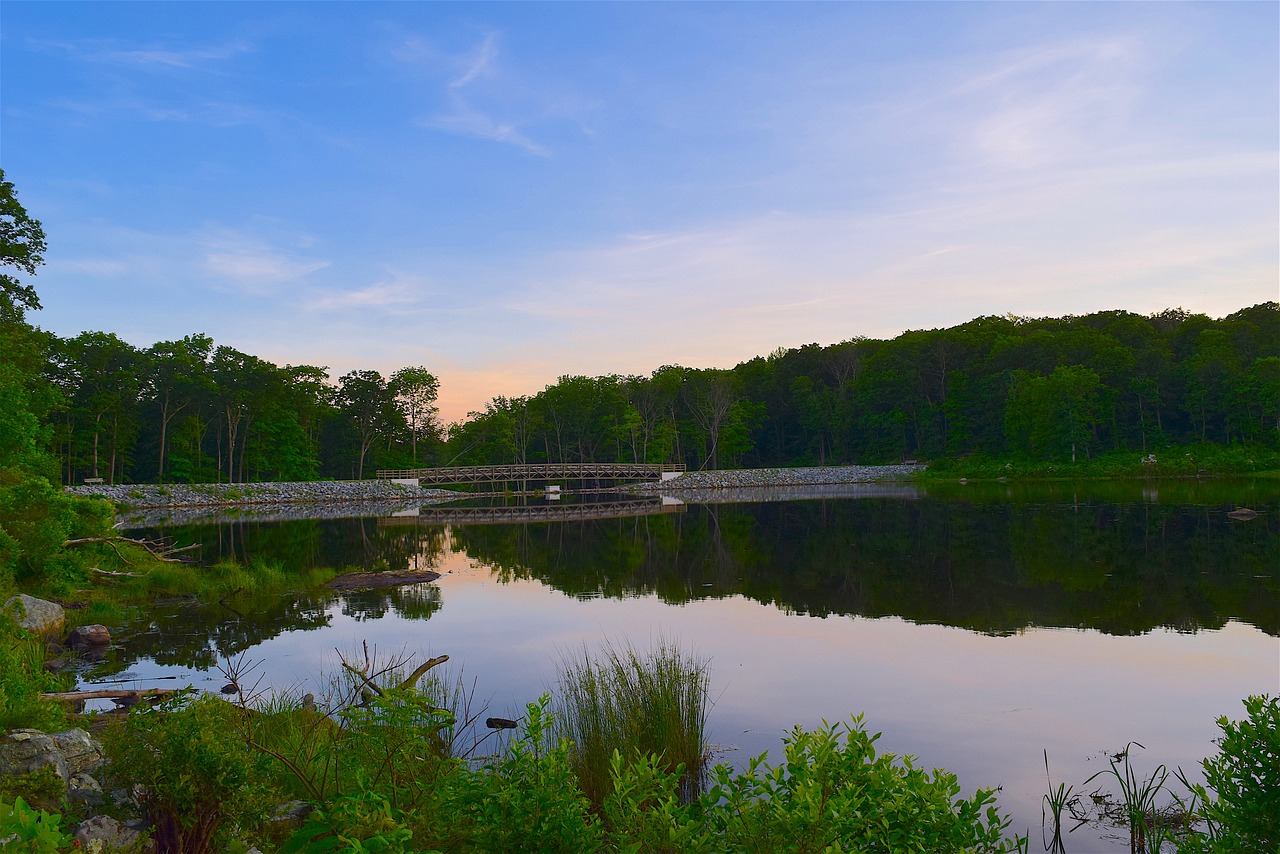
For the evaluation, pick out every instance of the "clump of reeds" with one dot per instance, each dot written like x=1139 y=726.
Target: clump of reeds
x=636 y=703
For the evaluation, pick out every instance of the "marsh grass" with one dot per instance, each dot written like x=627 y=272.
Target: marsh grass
x=1150 y=825
x=636 y=703
x=1054 y=801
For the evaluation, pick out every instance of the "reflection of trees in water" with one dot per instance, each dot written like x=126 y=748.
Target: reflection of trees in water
x=192 y=633
x=310 y=543
x=413 y=602
x=1119 y=567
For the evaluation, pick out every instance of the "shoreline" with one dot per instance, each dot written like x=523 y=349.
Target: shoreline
x=155 y=496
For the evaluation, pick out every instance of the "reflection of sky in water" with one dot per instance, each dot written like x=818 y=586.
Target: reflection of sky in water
x=984 y=707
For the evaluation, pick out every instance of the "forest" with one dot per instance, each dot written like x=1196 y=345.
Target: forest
x=1053 y=388
x=191 y=410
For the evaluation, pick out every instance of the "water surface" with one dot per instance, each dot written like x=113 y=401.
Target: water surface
x=975 y=626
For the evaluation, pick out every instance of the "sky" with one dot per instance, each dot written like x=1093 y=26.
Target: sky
x=506 y=193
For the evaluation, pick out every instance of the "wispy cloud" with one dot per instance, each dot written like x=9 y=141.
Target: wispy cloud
x=249 y=262
x=467 y=121
x=469 y=109
x=399 y=289
x=480 y=63
x=150 y=57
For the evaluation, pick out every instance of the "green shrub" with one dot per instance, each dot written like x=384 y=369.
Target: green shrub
x=363 y=822
x=23 y=828
x=200 y=780
x=23 y=678
x=838 y=795
x=528 y=798
x=1244 y=816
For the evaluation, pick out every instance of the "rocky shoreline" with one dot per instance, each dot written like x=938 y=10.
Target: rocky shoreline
x=776 y=477
x=168 y=497
x=152 y=495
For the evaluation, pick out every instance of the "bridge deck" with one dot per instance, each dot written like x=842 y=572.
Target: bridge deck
x=531 y=471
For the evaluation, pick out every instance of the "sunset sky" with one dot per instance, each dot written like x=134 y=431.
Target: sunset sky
x=509 y=192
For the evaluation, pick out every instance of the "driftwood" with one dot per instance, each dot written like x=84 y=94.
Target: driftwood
x=113 y=574
x=107 y=694
x=157 y=550
x=353 y=580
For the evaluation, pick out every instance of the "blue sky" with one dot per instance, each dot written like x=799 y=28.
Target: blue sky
x=510 y=192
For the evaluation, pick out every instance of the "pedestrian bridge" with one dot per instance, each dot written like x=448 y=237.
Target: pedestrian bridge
x=550 y=512
x=517 y=472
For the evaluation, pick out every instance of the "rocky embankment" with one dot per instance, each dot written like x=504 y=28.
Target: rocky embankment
x=748 y=478
x=145 y=495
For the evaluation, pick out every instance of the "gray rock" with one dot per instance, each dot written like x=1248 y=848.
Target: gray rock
x=102 y=833
x=25 y=750
x=85 y=637
x=80 y=750
x=83 y=789
x=35 y=615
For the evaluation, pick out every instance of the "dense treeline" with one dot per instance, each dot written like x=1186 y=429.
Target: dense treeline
x=191 y=410
x=1056 y=388
x=1052 y=388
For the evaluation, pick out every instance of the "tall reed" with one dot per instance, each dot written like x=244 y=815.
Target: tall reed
x=636 y=703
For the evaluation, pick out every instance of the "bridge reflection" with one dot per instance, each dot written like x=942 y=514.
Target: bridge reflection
x=549 y=512
x=533 y=471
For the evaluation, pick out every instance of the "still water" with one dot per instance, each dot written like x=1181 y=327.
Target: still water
x=975 y=626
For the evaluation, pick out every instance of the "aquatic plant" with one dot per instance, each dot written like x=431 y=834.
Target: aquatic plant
x=635 y=703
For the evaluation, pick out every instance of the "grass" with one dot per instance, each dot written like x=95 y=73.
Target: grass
x=1055 y=800
x=635 y=703
x=1197 y=460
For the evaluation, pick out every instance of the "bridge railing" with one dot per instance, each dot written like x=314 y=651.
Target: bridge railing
x=533 y=471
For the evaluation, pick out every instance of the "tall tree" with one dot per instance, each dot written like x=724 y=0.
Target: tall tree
x=415 y=390
x=176 y=376
x=22 y=245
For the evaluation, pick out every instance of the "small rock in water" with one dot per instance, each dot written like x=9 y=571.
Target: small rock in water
x=88 y=637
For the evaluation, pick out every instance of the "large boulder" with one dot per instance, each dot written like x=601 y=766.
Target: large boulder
x=35 y=615
x=25 y=750
x=80 y=750
x=101 y=833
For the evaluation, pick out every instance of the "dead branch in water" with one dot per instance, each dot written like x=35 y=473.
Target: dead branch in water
x=157 y=549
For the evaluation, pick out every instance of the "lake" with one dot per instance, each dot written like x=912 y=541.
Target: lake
x=976 y=626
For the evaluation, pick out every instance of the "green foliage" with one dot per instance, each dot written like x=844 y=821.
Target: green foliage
x=528 y=798
x=23 y=828
x=200 y=780
x=22 y=245
x=42 y=789
x=22 y=679
x=1242 y=798
x=836 y=794
x=357 y=823
x=636 y=703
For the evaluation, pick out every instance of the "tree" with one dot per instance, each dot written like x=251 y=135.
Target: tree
x=1055 y=414
x=22 y=245
x=176 y=376
x=414 y=390
x=366 y=398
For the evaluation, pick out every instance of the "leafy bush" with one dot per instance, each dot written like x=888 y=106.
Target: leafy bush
x=838 y=795
x=23 y=828
x=22 y=679
x=363 y=822
x=528 y=798
x=1245 y=775
x=200 y=781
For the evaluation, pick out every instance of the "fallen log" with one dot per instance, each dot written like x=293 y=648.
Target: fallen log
x=107 y=694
